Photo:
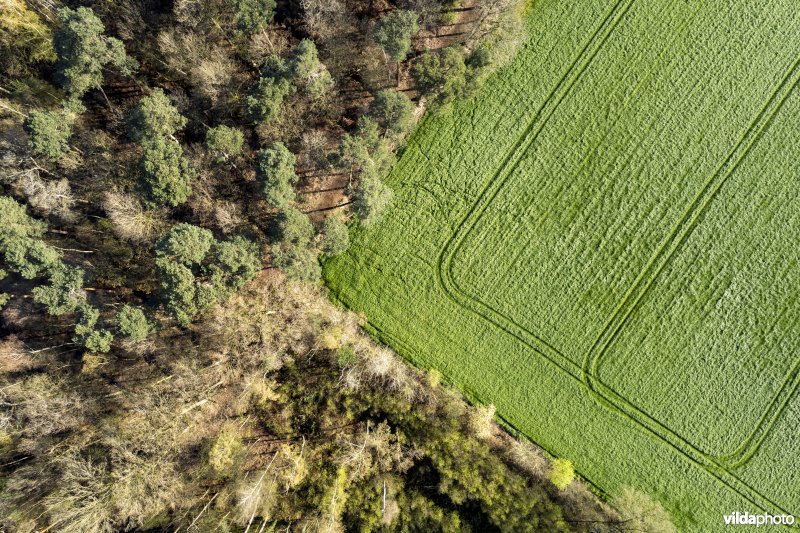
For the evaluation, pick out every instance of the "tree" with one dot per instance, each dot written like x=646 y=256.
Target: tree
x=49 y=132
x=177 y=290
x=266 y=98
x=562 y=473
x=86 y=332
x=132 y=323
x=226 y=453
x=394 y=31
x=64 y=292
x=371 y=198
x=308 y=71
x=441 y=75
x=29 y=257
x=239 y=260
x=224 y=142
x=295 y=227
x=15 y=221
x=304 y=59
x=24 y=39
x=298 y=262
x=154 y=116
x=49 y=196
x=275 y=172
x=640 y=512
x=253 y=16
x=367 y=150
x=336 y=238
x=394 y=111
x=167 y=177
x=24 y=253
x=83 y=51
x=185 y=243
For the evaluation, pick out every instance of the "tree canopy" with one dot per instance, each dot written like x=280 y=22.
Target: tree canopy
x=371 y=198
x=185 y=243
x=275 y=172
x=266 y=98
x=133 y=323
x=442 y=75
x=394 y=111
x=253 y=16
x=394 y=31
x=166 y=175
x=155 y=116
x=336 y=238
x=83 y=51
x=49 y=132
x=63 y=292
x=224 y=142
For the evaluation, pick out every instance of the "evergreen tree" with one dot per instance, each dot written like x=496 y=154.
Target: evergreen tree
x=178 y=290
x=83 y=51
x=238 y=261
x=336 y=238
x=185 y=243
x=253 y=16
x=154 y=116
x=266 y=98
x=394 y=112
x=132 y=323
x=224 y=142
x=167 y=177
x=87 y=333
x=49 y=132
x=64 y=291
x=394 y=31
x=298 y=262
x=29 y=257
x=371 y=198
x=308 y=71
x=442 y=75
x=295 y=227
x=275 y=172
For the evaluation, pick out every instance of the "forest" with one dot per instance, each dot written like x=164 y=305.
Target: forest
x=173 y=173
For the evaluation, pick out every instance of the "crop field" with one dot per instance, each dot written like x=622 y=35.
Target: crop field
x=604 y=244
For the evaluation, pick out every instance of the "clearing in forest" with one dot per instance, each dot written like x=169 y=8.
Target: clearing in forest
x=603 y=243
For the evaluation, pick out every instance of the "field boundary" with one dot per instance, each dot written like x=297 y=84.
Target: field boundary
x=717 y=466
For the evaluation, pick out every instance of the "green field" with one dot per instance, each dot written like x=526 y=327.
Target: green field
x=604 y=244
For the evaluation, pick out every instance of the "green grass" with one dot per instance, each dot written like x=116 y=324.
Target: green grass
x=603 y=243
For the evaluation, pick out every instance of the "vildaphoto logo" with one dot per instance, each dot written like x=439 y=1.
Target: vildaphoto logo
x=746 y=519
